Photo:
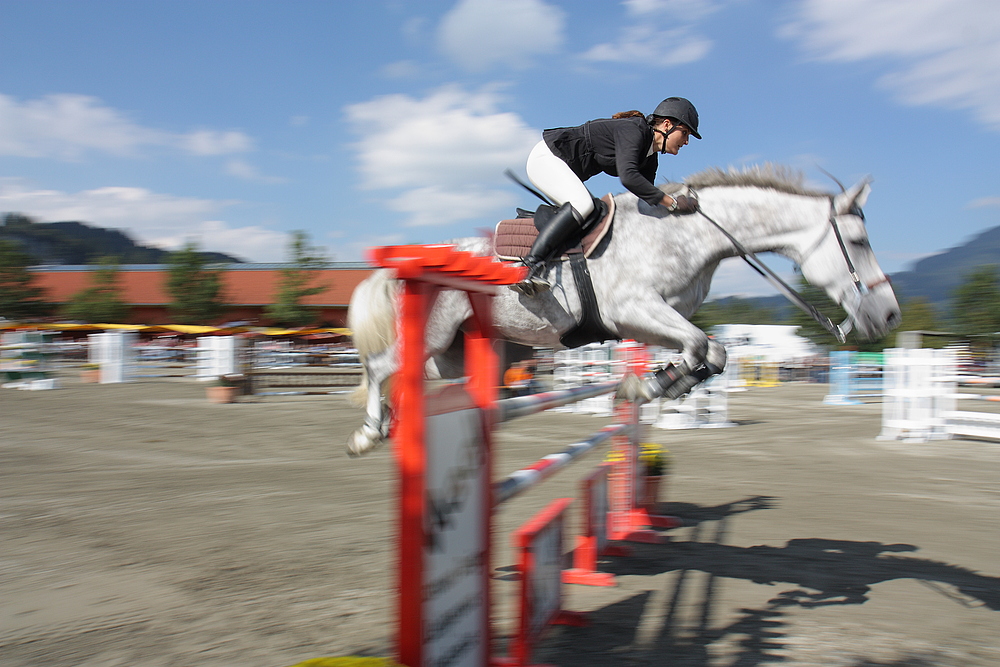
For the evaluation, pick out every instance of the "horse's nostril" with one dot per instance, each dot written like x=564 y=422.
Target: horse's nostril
x=893 y=320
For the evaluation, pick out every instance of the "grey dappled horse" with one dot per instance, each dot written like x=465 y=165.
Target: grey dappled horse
x=650 y=274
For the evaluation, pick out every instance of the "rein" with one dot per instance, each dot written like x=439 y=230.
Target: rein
x=839 y=331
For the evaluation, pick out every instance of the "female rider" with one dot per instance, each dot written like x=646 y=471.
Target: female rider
x=624 y=146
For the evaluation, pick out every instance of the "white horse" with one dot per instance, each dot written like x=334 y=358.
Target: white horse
x=650 y=274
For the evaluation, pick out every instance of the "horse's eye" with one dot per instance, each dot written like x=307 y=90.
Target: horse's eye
x=861 y=243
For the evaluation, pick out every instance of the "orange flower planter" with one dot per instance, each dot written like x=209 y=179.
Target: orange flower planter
x=221 y=394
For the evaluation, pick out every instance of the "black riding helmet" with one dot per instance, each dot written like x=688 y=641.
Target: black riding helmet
x=680 y=110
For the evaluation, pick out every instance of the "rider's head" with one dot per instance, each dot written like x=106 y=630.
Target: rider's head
x=672 y=121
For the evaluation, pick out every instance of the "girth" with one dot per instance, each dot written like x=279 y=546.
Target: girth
x=590 y=328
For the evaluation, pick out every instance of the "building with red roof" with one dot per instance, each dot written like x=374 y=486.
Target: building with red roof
x=247 y=288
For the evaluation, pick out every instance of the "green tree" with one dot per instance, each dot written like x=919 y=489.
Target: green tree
x=196 y=290
x=734 y=311
x=920 y=315
x=102 y=301
x=19 y=298
x=294 y=285
x=975 y=306
x=810 y=328
x=16 y=222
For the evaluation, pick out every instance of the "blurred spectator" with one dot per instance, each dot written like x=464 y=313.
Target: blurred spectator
x=517 y=379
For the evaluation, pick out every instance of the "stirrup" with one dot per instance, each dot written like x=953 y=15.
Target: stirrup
x=534 y=282
x=531 y=286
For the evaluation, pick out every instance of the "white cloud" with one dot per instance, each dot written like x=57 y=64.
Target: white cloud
x=208 y=142
x=650 y=46
x=66 y=127
x=939 y=52
x=253 y=243
x=402 y=69
x=246 y=171
x=478 y=34
x=687 y=9
x=984 y=202
x=443 y=155
x=434 y=205
x=162 y=220
x=662 y=33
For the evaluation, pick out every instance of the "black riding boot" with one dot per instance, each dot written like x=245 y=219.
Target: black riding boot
x=561 y=227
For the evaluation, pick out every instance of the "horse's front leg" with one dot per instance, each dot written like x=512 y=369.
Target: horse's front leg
x=653 y=322
x=673 y=381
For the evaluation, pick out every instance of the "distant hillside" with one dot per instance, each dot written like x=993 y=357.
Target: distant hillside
x=935 y=278
x=79 y=243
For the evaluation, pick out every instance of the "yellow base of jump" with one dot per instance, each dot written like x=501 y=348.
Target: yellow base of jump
x=349 y=661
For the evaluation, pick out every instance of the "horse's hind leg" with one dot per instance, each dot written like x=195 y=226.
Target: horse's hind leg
x=446 y=317
x=378 y=368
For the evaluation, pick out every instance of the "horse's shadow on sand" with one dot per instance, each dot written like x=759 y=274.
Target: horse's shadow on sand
x=822 y=572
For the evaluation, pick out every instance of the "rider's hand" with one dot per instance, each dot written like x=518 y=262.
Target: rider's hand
x=684 y=204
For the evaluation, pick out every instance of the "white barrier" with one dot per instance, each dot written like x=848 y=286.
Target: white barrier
x=590 y=364
x=919 y=399
x=114 y=353
x=217 y=356
x=24 y=361
x=706 y=406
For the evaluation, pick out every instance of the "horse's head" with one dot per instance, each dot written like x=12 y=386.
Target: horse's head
x=844 y=265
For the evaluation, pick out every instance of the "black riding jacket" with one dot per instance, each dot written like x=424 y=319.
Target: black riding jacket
x=617 y=147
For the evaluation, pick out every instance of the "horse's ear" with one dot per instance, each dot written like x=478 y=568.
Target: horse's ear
x=853 y=197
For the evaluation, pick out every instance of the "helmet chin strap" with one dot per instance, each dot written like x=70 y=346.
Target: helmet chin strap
x=666 y=135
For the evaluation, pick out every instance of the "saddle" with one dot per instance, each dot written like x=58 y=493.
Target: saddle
x=512 y=241
x=513 y=238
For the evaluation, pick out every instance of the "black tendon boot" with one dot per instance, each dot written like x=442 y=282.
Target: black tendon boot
x=561 y=227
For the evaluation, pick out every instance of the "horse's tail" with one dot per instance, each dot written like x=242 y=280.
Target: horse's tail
x=371 y=316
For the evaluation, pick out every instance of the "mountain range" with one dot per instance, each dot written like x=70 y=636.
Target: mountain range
x=935 y=278
x=69 y=243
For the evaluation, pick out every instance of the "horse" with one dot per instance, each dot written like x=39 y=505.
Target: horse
x=650 y=274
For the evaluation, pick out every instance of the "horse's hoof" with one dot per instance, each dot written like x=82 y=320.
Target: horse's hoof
x=363 y=441
x=630 y=388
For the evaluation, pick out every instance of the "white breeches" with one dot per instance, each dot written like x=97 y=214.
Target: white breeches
x=557 y=181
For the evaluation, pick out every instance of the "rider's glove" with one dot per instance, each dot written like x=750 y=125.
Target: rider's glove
x=683 y=204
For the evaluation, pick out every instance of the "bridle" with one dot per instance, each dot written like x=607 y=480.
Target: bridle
x=861 y=289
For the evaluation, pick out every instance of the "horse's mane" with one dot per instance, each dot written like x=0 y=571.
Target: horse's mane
x=774 y=176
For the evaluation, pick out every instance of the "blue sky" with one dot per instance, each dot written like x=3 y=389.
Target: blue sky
x=233 y=123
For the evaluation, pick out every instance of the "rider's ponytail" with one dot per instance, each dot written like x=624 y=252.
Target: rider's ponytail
x=629 y=114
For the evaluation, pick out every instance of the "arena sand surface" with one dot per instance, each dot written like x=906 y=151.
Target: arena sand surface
x=141 y=525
